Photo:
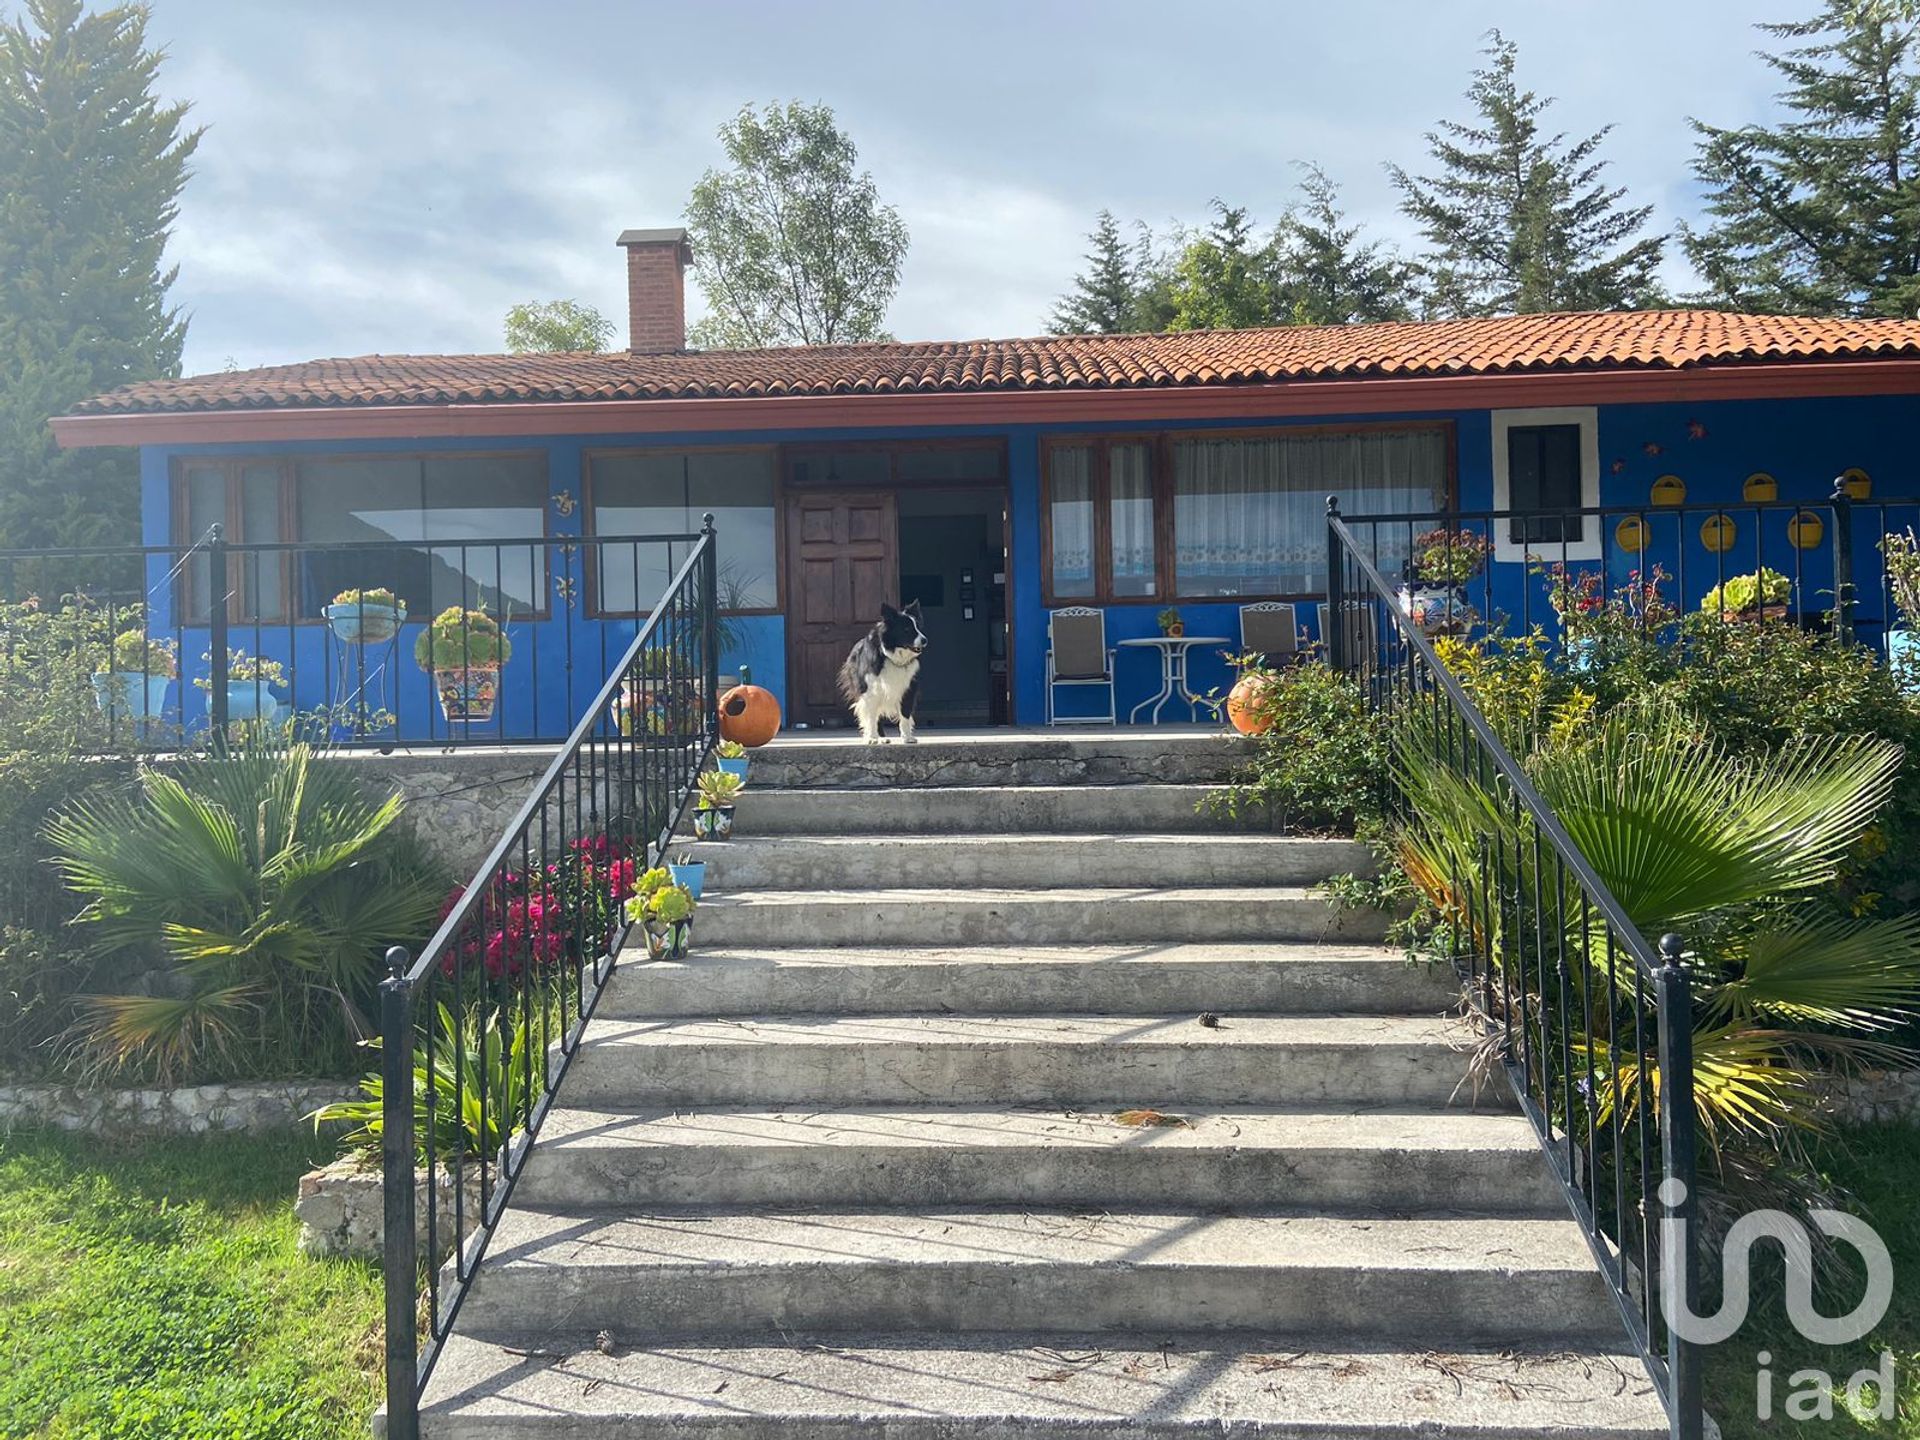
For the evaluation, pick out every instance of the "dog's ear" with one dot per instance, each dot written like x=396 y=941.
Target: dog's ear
x=913 y=608
x=887 y=612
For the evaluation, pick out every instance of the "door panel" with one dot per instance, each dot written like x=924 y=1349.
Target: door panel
x=842 y=563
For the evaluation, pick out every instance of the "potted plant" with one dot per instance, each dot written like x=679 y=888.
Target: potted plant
x=1443 y=561
x=689 y=872
x=1902 y=554
x=366 y=617
x=730 y=758
x=1761 y=596
x=664 y=912
x=463 y=650
x=1171 y=625
x=134 y=684
x=251 y=681
x=713 y=814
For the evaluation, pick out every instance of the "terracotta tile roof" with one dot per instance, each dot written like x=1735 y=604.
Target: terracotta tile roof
x=1655 y=339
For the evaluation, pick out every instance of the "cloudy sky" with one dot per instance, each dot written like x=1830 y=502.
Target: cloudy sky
x=392 y=176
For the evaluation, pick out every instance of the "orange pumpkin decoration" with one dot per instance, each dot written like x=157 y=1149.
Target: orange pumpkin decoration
x=1246 y=703
x=749 y=715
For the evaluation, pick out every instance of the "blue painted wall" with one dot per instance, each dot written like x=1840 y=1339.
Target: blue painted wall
x=1713 y=448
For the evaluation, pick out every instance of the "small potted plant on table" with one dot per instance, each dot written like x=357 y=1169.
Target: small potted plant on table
x=664 y=912
x=1171 y=625
x=1759 y=596
x=134 y=684
x=713 y=813
x=463 y=650
x=1442 y=563
x=365 y=617
x=251 y=681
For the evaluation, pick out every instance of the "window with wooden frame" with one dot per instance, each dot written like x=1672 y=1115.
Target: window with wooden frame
x=1198 y=515
x=667 y=491
x=457 y=514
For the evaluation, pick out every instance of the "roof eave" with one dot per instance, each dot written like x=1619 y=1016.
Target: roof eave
x=1273 y=400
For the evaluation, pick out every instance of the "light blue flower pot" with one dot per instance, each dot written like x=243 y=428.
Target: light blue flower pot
x=250 y=700
x=733 y=767
x=129 y=693
x=693 y=876
x=365 y=624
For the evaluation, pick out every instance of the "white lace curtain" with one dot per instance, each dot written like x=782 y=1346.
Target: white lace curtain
x=1249 y=516
x=1130 y=475
x=1070 y=496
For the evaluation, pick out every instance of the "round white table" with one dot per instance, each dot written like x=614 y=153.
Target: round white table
x=1173 y=673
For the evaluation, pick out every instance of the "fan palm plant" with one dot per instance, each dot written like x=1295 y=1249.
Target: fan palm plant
x=273 y=883
x=1730 y=852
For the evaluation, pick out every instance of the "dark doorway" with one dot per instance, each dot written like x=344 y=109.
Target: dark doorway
x=953 y=560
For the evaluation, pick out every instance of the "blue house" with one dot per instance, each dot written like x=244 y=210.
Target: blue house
x=994 y=481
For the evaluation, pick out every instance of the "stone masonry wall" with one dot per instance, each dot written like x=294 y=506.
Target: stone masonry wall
x=256 y=1108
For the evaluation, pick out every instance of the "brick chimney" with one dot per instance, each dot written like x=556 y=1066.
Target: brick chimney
x=657 y=261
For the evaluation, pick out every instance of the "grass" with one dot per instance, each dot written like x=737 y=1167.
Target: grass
x=154 y=1292
x=1878 y=1168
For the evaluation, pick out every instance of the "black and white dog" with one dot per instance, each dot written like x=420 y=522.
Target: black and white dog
x=881 y=678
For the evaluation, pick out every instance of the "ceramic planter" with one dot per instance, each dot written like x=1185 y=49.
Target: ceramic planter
x=129 y=693
x=715 y=824
x=667 y=942
x=249 y=701
x=732 y=767
x=1754 y=615
x=365 y=624
x=1438 y=609
x=467 y=695
x=693 y=876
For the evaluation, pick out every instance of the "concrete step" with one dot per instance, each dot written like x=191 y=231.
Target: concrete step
x=1147 y=1385
x=798 y=862
x=665 y=1275
x=1143 y=916
x=978 y=810
x=1238 y=1158
x=1056 y=757
x=1153 y=979
x=1111 y=1062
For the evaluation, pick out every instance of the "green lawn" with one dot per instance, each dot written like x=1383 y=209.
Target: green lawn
x=153 y=1292
x=1880 y=1168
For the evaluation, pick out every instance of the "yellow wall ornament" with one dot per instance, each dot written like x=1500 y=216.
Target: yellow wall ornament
x=1718 y=532
x=1857 y=483
x=1760 y=488
x=1669 y=490
x=1630 y=535
x=1806 y=530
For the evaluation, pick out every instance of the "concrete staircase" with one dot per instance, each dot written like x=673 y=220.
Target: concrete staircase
x=859 y=1167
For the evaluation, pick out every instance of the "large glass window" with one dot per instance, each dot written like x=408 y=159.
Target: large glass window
x=1543 y=475
x=655 y=492
x=1249 y=515
x=245 y=499
x=1246 y=513
x=454 y=512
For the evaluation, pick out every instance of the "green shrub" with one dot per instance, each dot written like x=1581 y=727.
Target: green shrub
x=1322 y=764
x=1741 y=593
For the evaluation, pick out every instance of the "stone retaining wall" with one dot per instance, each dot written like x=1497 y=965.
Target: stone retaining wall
x=254 y=1108
x=458 y=801
x=1880 y=1097
x=342 y=1209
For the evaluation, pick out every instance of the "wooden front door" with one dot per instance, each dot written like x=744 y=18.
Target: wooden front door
x=843 y=561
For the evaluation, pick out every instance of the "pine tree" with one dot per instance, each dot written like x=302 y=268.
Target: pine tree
x=1521 y=222
x=91 y=165
x=1821 y=214
x=1102 y=301
x=1324 y=275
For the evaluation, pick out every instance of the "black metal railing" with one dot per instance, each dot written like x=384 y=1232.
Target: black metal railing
x=1591 y=1026
x=439 y=642
x=1828 y=553
x=478 y=1032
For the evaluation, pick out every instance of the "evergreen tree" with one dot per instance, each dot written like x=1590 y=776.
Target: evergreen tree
x=1519 y=221
x=1821 y=214
x=1104 y=298
x=1324 y=274
x=91 y=167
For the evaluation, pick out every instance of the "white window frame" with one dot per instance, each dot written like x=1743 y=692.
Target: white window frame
x=1587 y=417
